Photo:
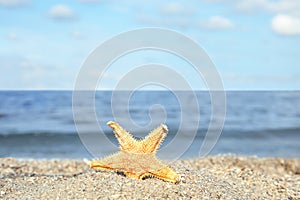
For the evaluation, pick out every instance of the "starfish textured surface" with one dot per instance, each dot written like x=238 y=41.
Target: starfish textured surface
x=136 y=158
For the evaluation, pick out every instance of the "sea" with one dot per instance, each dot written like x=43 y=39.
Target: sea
x=41 y=124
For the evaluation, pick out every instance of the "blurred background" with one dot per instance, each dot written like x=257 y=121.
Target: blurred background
x=254 y=44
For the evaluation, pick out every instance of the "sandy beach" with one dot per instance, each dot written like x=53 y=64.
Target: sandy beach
x=218 y=177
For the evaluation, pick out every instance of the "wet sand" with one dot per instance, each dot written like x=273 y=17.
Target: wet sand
x=217 y=177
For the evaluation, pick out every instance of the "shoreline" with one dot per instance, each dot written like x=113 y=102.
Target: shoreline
x=219 y=177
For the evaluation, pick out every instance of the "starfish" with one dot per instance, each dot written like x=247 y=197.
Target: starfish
x=136 y=158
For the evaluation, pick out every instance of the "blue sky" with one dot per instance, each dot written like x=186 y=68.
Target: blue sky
x=254 y=44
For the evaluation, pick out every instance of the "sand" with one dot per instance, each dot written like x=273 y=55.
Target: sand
x=218 y=177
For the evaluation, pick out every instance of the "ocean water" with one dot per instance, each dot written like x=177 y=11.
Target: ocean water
x=40 y=124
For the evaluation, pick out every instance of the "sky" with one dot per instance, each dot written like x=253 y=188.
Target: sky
x=254 y=44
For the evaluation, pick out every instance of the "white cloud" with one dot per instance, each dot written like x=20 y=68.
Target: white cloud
x=252 y=5
x=217 y=23
x=172 y=15
x=286 y=25
x=291 y=7
x=279 y=6
x=14 y=3
x=62 y=12
x=12 y=36
x=287 y=13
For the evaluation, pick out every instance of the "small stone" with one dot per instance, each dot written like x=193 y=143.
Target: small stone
x=2 y=193
x=115 y=196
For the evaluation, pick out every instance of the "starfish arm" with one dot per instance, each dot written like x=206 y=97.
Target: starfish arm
x=152 y=142
x=166 y=174
x=126 y=141
x=107 y=163
x=132 y=175
x=137 y=158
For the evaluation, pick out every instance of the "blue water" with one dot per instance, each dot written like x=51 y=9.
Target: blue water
x=39 y=124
